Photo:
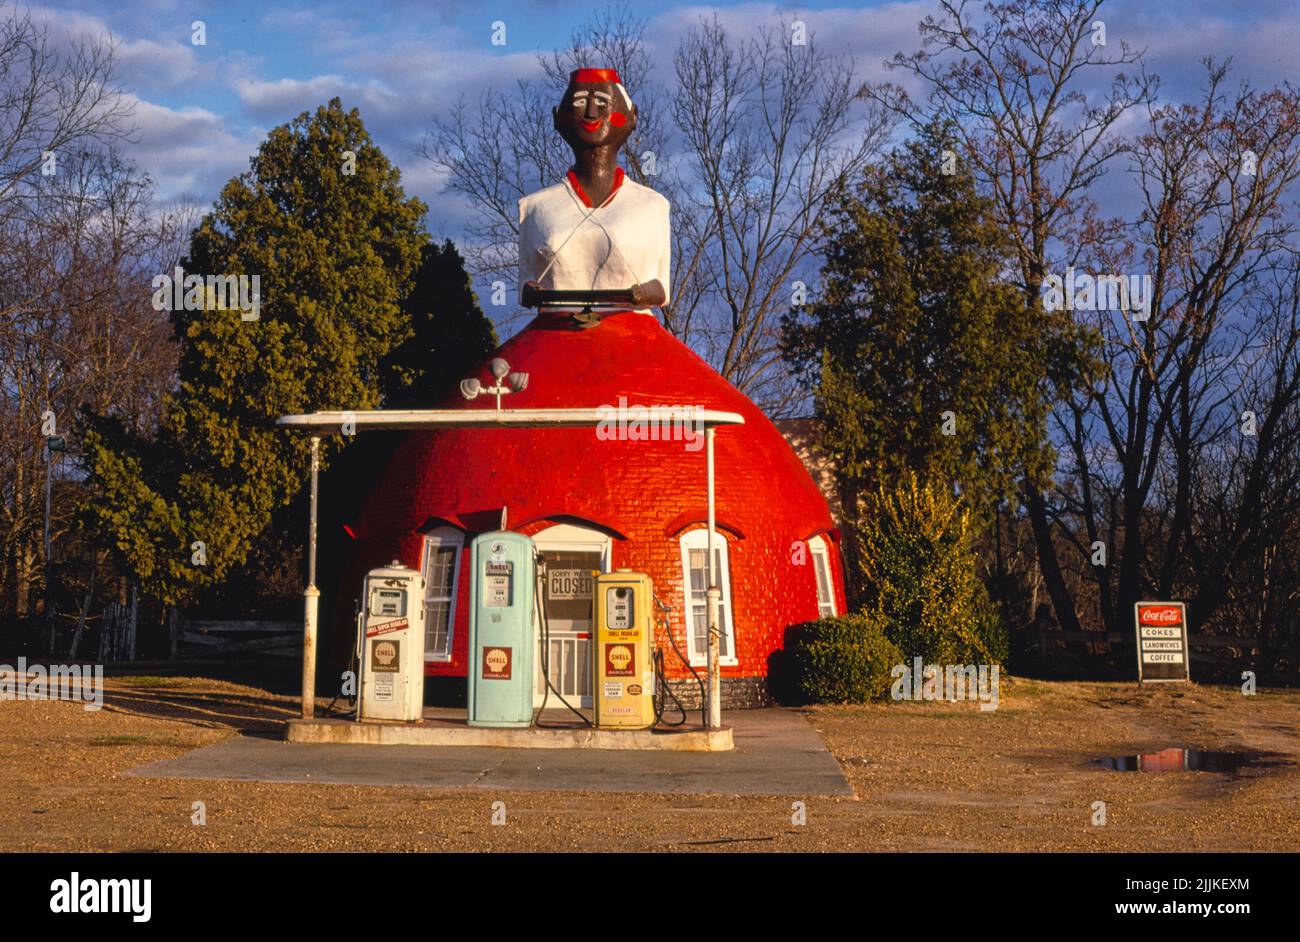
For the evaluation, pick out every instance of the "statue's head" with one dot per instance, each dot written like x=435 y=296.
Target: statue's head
x=595 y=112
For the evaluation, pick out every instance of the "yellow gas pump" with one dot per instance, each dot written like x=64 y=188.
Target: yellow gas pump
x=624 y=669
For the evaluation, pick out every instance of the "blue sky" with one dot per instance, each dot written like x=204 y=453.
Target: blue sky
x=201 y=110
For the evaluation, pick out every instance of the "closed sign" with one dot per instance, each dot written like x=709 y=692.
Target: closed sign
x=568 y=584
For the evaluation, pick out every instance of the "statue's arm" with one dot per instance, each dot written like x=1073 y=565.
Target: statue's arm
x=528 y=257
x=654 y=293
x=665 y=250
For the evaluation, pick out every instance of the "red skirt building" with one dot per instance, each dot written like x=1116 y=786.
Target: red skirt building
x=591 y=503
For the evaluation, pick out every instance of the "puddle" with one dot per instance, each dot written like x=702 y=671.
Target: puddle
x=1186 y=760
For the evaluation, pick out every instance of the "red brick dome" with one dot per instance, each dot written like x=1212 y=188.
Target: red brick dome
x=644 y=494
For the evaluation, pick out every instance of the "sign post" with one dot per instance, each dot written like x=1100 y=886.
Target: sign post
x=1162 y=650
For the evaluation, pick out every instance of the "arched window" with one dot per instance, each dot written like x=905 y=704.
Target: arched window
x=695 y=580
x=821 y=561
x=441 y=566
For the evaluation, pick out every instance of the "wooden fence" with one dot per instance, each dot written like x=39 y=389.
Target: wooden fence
x=226 y=638
x=1075 y=649
x=117 y=634
x=197 y=638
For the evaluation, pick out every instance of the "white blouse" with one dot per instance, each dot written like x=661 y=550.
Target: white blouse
x=624 y=241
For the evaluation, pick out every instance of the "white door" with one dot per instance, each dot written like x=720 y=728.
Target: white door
x=572 y=553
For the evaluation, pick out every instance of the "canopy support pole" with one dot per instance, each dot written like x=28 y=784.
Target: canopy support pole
x=714 y=596
x=311 y=596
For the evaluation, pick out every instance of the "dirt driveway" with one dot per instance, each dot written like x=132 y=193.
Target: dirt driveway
x=928 y=776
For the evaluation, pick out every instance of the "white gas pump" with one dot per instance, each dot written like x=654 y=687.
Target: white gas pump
x=390 y=645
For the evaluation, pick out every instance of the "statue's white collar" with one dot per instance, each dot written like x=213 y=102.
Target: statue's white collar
x=579 y=192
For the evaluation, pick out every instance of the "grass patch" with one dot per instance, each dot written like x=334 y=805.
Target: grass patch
x=1032 y=688
x=134 y=741
x=154 y=682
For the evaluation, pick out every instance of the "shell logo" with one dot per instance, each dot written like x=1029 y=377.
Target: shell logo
x=1161 y=615
x=496 y=660
x=385 y=653
x=620 y=657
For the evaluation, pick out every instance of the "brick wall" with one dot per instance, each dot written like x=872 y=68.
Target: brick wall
x=645 y=494
x=738 y=693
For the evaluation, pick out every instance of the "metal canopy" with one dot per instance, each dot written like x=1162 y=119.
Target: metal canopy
x=325 y=422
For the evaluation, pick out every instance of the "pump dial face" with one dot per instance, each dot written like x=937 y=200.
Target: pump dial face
x=618 y=607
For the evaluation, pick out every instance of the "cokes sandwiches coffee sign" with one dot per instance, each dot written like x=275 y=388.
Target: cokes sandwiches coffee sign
x=1162 y=641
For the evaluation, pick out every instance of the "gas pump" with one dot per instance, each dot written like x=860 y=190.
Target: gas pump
x=390 y=645
x=624 y=636
x=501 y=637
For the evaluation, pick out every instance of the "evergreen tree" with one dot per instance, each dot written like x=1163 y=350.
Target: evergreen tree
x=449 y=333
x=919 y=347
x=322 y=219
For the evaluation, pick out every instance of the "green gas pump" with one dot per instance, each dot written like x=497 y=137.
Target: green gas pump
x=501 y=634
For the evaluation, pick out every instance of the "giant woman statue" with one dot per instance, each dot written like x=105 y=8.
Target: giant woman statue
x=596 y=229
x=594 y=254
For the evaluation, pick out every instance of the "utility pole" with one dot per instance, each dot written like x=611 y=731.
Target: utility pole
x=53 y=443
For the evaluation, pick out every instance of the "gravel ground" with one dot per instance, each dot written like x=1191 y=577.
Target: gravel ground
x=928 y=776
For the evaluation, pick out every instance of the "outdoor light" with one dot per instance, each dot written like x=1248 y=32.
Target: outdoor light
x=506 y=382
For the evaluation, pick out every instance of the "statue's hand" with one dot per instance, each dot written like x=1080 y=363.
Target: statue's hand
x=649 y=294
x=528 y=296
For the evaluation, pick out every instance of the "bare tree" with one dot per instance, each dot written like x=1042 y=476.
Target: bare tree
x=81 y=254
x=56 y=101
x=1210 y=236
x=772 y=135
x=748 y=147
x=1013 y=81
x=52 y=101
x=1240 y=561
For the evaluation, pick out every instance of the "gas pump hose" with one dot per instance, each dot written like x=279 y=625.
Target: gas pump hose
x=545 y=627
x=666 y=610
x=354 y=664
x=662 y=682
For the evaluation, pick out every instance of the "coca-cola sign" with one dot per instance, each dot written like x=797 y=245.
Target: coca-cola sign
x=1162 y=645
x=1160 y=615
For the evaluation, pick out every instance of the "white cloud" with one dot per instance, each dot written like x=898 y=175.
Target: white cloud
x=188 y=151
x=282 y=99
x=152 y=63
x=170 y=65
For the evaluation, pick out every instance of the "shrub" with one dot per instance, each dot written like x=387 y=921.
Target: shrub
x=991 y=627
x=845 y=659
x=920 y=581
